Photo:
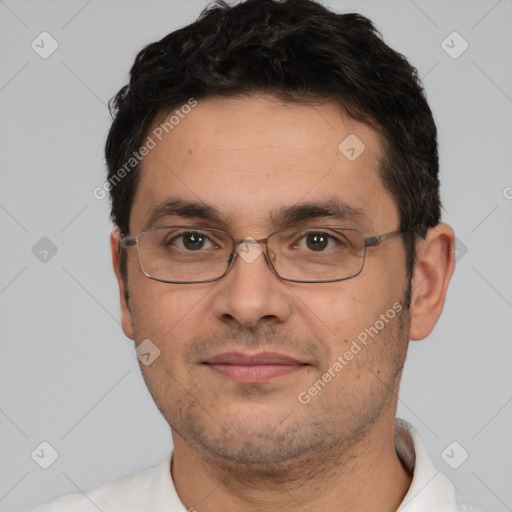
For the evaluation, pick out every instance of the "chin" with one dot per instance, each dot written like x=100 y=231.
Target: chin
x=251 y=442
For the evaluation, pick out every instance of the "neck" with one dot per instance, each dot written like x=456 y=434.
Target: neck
x=367 y=477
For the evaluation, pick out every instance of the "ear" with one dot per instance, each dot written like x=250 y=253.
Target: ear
x=435 y=262
x=126 y=315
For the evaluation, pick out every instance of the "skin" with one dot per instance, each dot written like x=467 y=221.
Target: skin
x=241 y=447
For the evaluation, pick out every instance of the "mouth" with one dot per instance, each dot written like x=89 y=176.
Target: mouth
x=254 y=368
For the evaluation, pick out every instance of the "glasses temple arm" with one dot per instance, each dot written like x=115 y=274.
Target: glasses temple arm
x=127 y=242
x=373 y=241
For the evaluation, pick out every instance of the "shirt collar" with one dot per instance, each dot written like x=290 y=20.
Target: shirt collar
x=429 y=489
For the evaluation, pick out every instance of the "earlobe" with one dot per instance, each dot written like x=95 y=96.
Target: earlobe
x=435 y=262
x=126 y=315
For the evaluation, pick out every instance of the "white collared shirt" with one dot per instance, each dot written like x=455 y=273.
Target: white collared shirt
x=152 y=490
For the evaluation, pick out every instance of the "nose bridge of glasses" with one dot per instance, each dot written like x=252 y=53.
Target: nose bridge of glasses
x=239 y=243
x=249 y=240
x=249 y=253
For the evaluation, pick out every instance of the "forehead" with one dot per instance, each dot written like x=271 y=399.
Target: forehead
x=251 y=157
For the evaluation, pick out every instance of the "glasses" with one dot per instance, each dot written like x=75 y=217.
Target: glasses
x=187 y=254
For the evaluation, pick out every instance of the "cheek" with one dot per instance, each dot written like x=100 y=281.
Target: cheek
x=165 y=312
x=167 y=318
x=351 y=308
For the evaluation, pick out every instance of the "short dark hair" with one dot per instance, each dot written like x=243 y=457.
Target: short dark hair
x=295 y=50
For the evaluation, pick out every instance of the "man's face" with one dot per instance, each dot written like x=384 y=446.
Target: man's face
x=248 y=159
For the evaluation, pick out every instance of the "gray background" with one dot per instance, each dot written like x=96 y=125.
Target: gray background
x=67 y=373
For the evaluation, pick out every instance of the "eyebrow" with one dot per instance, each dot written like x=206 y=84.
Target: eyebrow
x=186 y=209
x=332 y=208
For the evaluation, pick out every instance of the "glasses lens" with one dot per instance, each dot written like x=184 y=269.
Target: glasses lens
x=317 y=254
x=183 y=254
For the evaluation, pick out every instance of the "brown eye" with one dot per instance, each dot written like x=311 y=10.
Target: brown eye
x=193 y=241
x=317 y=241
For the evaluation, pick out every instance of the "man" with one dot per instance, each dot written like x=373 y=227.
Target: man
x=273 y=171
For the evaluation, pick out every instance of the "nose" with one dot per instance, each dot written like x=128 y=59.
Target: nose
x=251 y=294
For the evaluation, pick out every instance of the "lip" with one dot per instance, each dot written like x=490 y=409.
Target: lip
x=259 y=358
x=254 y=368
